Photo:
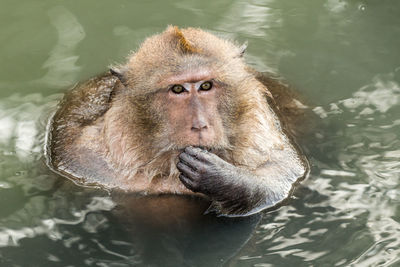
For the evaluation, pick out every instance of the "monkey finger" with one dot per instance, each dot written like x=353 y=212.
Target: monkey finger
x=198 y=153
x=188 y=183
x=187 y=171
x=191 y=161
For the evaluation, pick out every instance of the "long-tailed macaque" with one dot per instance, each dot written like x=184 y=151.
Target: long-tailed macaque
x=184 y=115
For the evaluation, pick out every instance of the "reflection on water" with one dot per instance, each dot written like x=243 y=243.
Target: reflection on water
x=61 y=64
x=341 y=55
x=359 y=173
x=22 y=120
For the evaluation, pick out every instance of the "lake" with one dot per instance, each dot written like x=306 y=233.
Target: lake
x=342 y=56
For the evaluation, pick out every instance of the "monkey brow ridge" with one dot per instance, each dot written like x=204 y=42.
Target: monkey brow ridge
x=183 y=43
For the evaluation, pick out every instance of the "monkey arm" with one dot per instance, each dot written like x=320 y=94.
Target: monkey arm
x=236 y=191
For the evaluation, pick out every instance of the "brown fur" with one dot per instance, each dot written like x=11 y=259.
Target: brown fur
x=184 y=45
x=131 y=133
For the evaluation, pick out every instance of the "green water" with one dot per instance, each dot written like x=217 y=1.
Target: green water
x=342 y=55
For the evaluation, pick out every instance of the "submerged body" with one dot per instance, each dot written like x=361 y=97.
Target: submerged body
x=185 y=115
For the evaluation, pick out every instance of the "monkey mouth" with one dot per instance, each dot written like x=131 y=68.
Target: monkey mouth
x=207 y=141
x=208 y=148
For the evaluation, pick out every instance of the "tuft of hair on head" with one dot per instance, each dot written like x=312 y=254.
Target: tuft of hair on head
x=184 y=45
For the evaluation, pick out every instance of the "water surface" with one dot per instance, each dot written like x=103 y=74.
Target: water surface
x=341 y=55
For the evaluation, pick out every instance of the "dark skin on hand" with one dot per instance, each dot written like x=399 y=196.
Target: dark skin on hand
x=210 y=175
x=185 y=115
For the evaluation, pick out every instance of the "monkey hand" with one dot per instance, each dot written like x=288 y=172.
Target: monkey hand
x=225 y=184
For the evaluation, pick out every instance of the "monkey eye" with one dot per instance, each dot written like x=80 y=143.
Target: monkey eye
x=206 y=86
x=177 y=89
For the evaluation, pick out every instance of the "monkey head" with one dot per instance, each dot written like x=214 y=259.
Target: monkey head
x=186 y=87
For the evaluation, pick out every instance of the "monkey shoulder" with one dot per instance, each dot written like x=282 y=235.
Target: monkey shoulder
x=283 y=96
x=80 y=107
x=291 y=107
x=75 y=126
x=87 y=101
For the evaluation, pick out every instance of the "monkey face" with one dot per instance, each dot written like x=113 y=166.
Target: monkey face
x=190 y=102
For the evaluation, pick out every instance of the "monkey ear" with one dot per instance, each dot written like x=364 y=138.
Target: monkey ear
x=242 y=49
x=119 y=74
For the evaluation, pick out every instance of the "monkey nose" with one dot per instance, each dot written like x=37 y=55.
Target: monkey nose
x=199 y=125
